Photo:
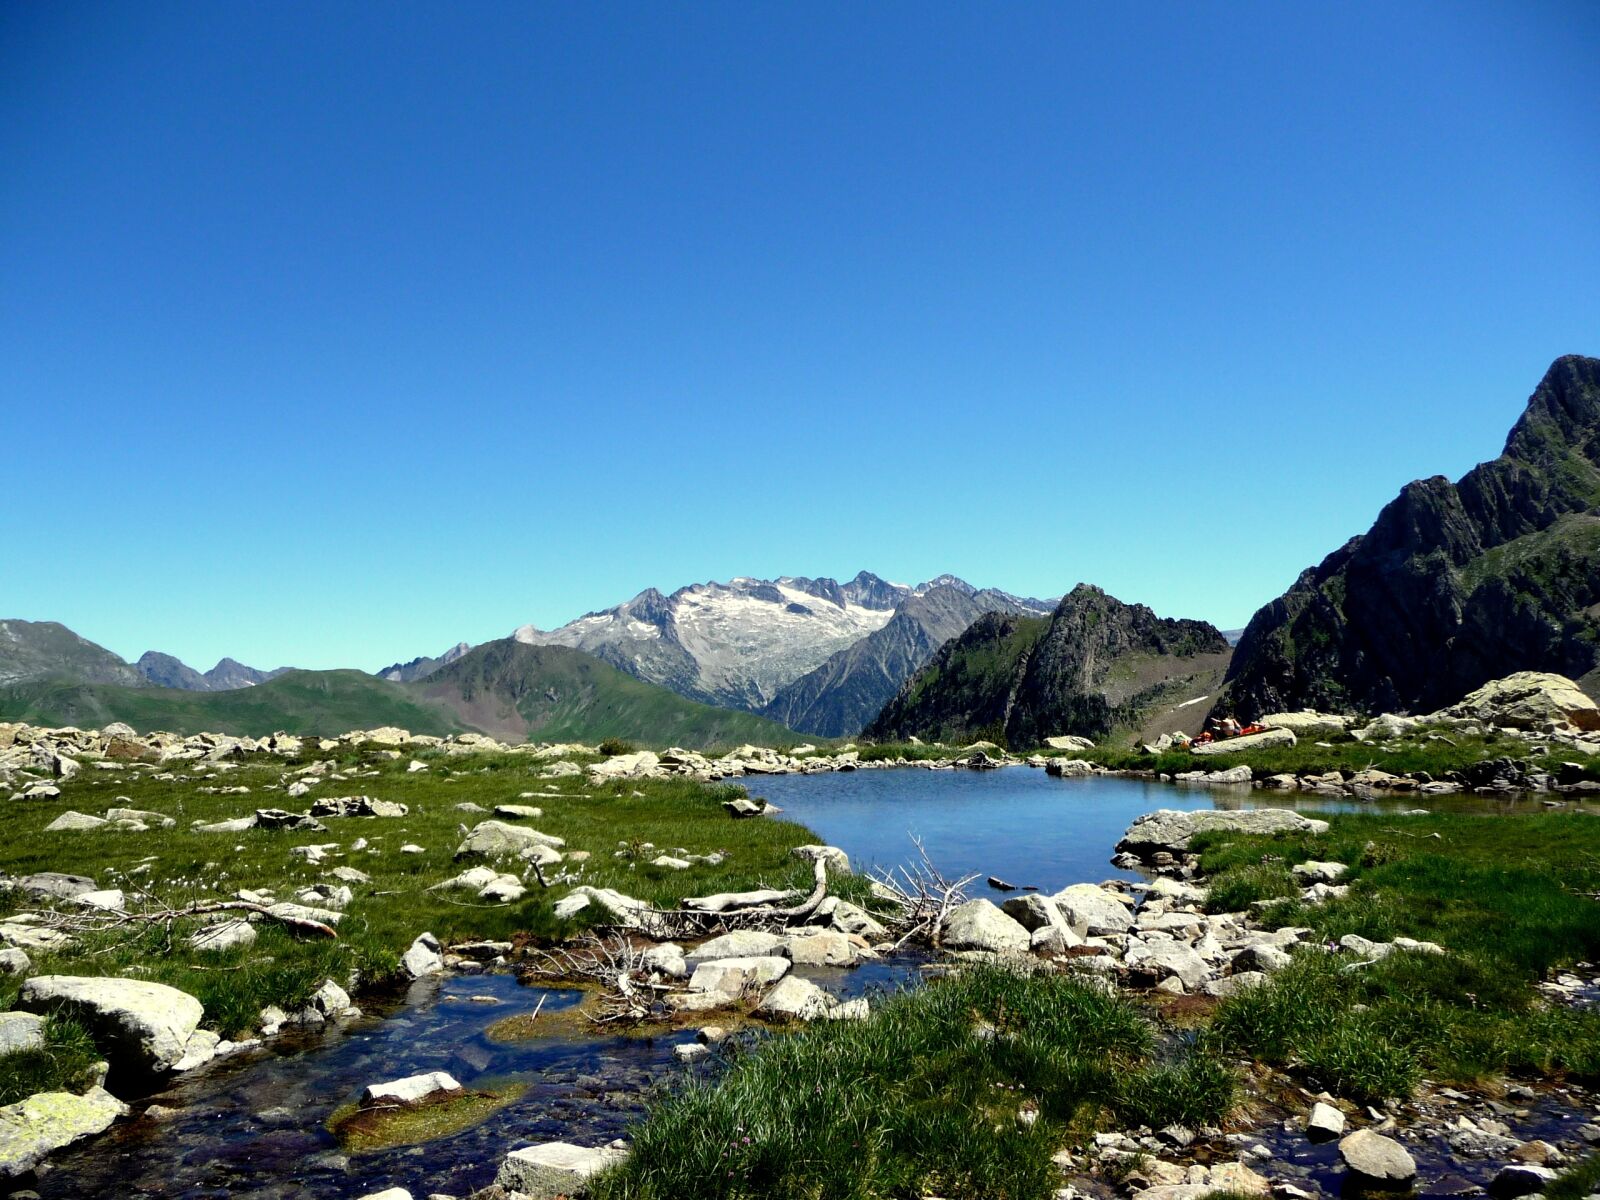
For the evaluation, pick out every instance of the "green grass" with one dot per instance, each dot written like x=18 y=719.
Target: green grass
x=63 y=1062
x=1413 y=753
x=922 y=1098
x=323 y=702
x=395 y=906
x=1510 y=899
x=1577 y=1181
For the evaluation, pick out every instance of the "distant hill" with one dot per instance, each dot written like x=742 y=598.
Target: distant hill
x=32 y=650
x=1455 y=583
x=838 y=698
x=164 y=670
x=1094 y=666
x=303 y=702
x=504 y=688
x=554 y=693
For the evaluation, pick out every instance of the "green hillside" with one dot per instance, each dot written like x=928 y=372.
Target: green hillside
x=553 y=693
x=321 y=702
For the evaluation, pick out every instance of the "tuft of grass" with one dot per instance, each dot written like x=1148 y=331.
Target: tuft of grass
x=62 y=1064
x=1238 y=887
x=927 y=1096
x=1577 y=1181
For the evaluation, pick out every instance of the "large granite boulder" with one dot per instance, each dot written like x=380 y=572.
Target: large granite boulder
x=979 y=925
x=1093 y=911
x=141 y=1026
x=1377 y=1161
x=1267 y=739
x=1169 y=830
x=1527 y=700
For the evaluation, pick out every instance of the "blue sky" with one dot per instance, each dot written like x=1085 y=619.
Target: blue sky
x=335 y=334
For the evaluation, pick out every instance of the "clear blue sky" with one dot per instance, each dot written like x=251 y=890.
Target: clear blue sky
x=333 y=334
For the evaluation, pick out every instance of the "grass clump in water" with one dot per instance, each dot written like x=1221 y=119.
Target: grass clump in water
x=363 y=1129
x=966 y=1086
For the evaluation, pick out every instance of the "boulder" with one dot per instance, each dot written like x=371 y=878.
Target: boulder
x=423 y=957
x=1069 y=768
x=741 y=943
x=824 y=948
x=1527 y=700
x=1320 y=872
x=496 y=839
x=729 y=977
x=979 y=925
x=1324 y=1122
x=666 y=959
x=1520 y=1179
x=137 y=1024
x=1377 y=1161
x=1308 y=722
x=74 y=821
x=411 y=1089
x=795 y=999
x=47 y=1121
x=14 y=961
x=1169 y=830
x=1069 y=741
x=21 y=1031
x=1092 y=911
x=1161 y=959
x=554 y=1169
x=1033 y=911
x=53 y=885
x=1267 y=739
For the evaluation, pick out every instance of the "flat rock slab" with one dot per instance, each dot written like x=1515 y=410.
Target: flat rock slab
x=1267 y=739
x=139 y=1024
x=729 y=977
x=554 y=1169
x=32 y=1128
x=1170 y=830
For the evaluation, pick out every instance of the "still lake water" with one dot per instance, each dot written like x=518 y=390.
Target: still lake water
x=1017 y=823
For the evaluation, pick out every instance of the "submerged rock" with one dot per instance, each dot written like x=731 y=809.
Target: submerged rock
x=554 y=1169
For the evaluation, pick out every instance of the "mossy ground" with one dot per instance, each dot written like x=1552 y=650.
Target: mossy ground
x=181 y=866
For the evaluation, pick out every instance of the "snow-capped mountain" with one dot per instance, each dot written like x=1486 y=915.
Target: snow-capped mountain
x=421 y=668
x=737 y=643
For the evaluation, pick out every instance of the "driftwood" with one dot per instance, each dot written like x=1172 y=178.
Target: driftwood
x=924 y=896
x=100 y=919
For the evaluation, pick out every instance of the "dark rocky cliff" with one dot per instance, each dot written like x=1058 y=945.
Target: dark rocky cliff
x=1094 y=666
x=1455 y=584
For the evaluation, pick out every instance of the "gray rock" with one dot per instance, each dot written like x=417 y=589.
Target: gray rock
x=554 y=1169
x=1520 y=1179
x=1324 y=1122
x=1267 y=739
x=824 y=948
x=20 y=1031
x=47 y=1121
x=411 y=1089
x=496 y=839
x=838 y=861
x=979 y=925
x=14 y=961
x=1263 y=957
x=424 y=957
x=1093 y=911
x=795 y=999
x=730 y=977
x=741 y=943
x=74 y=821
x=48 y=885
x=1377 y=1161
x=1320 y=872
x=1169 y=830
x=138 y=1024
x=667 y=959
x=224 y=935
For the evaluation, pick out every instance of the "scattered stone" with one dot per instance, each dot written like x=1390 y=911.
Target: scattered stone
x=795 y=999
x=496 y=839
x=74 y=821
x=223 y=935
x=1324 y=1122
x=1376 y=1160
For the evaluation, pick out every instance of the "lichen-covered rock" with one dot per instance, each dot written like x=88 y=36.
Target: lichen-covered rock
x=1527 y=700
x=496 y=839
x=141 y=1025
x=33 y=1128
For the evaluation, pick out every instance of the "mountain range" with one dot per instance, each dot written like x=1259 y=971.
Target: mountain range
x=1454 y=584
